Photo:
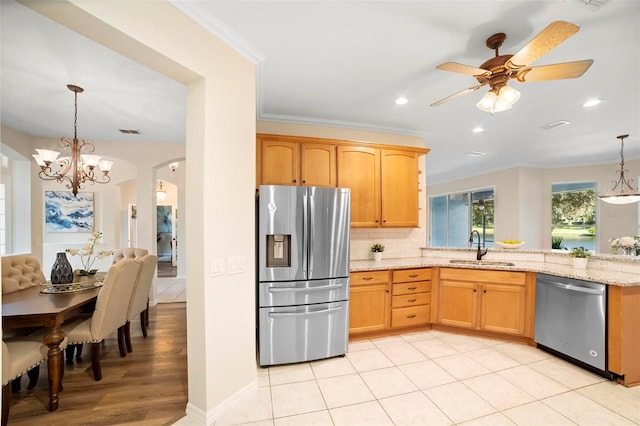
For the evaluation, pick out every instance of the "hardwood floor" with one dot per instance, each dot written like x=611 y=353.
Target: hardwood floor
x=148 y=387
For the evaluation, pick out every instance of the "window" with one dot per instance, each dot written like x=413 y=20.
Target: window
x=573 y=215
x=454 y=216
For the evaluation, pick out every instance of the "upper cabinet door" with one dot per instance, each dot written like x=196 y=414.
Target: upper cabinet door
x=318 y=164
x=359 y=169
x=399 y=188
x=279 y=162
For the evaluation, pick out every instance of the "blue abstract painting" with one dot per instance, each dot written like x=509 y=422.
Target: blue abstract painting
x=65 y=212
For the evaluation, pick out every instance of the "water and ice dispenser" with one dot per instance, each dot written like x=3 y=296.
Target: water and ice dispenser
x=278 y=251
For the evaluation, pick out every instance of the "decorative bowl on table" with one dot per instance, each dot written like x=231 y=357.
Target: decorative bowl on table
x=509 y=244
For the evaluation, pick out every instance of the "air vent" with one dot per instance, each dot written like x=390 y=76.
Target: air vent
x=593 y=5
x=475 y=153
x=556 y=124
x=129 y=131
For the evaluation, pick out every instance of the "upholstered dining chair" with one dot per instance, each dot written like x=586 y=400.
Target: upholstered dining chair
x=110 y=313
x=18 y=357
x=139 y=304
x=129 y=253
x=20 y=272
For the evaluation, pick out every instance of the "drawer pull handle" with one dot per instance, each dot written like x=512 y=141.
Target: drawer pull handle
x=412 y=288
x=413 y=275
x=411 y=300
x=411 y=316
x=367 y=278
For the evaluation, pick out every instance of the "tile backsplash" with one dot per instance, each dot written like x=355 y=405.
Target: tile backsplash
x=397 y=242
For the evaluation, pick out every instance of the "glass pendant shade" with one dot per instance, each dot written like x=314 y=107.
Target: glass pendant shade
x=503 y=101
x=622 y=192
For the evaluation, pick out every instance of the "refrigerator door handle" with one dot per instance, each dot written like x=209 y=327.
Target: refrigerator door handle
x=298 y=289
x=301 y=314
x=306 y=234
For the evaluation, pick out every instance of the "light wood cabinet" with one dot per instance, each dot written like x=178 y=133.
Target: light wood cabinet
x=368 y=302
x=623 y=333
x=384 y=186
x=359 y=170
x=493 y=301
x=399 y=188
x=282 y=161
x=411 y=297
x=383 y=178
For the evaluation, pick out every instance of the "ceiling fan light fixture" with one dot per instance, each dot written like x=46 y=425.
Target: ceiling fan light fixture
x=503 y=101
x=622 y=191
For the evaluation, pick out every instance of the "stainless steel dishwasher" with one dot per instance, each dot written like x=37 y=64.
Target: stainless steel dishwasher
x=571 y=319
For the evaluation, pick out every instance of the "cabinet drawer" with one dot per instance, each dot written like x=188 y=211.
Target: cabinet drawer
x=369 y=277
x=413 y=315
x=409 y=288
x=408 y=275
x=411 y=300
x=483 y=276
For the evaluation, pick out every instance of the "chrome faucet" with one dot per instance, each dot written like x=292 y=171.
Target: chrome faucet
x=480 y=252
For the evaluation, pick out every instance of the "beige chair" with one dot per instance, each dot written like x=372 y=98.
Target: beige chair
x=20 y=272
x=139 y=304
x=18 y=357
x=110 y=314
x=129 y=253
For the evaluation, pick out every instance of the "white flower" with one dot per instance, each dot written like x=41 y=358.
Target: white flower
x=87 y=255
x=627 y=242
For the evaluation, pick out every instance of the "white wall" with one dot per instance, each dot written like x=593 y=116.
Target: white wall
x=523 y=201
x=219 y=206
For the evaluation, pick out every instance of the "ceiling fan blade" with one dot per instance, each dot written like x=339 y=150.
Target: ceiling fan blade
x=463 y=69
x=455 y=95
x=546 y=40
x=555 y=71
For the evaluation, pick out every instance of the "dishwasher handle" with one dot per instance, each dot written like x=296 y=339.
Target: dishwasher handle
x=571 y=287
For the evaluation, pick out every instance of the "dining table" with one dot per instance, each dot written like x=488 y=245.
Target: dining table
x=49 y=307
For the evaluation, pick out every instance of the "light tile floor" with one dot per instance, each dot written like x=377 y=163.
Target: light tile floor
x=171 y=290
x=435 y=378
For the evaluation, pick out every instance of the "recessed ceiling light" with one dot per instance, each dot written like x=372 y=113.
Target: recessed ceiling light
x=401 y=100
x=476 y=153
x=477 y=130
x=556 y=124
x=591 y=102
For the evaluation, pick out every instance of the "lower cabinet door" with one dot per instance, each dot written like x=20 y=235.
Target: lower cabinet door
x=302 y=333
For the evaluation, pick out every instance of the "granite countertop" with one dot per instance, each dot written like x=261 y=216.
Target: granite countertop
x=613 y=270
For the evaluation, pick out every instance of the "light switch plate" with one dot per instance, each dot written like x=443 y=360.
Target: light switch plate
x=217 y=267
x=236 y=265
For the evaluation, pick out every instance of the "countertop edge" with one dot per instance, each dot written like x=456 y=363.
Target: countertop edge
x=597 y=271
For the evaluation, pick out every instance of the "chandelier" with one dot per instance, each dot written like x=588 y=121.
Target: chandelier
x=622 y=191
x=77 y=169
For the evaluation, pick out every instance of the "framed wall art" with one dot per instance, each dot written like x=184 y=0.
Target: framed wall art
x=64 y=212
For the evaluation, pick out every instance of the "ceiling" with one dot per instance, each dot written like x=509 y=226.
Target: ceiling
x=343 y=63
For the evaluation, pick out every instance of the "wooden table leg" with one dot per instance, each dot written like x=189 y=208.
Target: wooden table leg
x=55 y=364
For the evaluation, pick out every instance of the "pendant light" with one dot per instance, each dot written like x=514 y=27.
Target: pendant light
x=161 y=194
x=77 y=169
x=622 y=191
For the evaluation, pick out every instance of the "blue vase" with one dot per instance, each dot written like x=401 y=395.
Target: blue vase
x=61 y=272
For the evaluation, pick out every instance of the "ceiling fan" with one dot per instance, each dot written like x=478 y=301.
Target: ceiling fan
x=497 y=71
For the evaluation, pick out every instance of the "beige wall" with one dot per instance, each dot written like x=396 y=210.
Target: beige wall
x=523 y=201
x=220 y=177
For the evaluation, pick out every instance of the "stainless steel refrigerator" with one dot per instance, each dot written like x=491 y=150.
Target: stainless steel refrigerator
x=303 y=273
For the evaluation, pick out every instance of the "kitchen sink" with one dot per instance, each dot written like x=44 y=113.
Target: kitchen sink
x=481 y=262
